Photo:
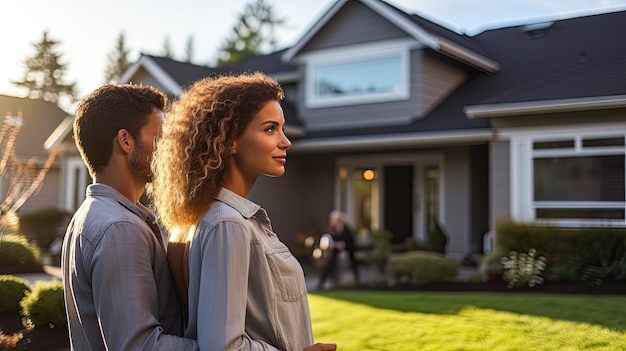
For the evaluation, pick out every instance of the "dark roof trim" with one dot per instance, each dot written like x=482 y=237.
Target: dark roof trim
x=467 y=56
x=391 y=141
x=547 y=106
x=434 y=42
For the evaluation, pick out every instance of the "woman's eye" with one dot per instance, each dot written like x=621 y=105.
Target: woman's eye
x=269 y=129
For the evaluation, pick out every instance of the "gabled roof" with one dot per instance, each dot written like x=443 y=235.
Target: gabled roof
x=433 y=36
x=174 y=75
x=177 y=75
x=40 y=119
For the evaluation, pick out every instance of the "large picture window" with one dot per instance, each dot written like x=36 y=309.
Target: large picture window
x=366 y=77
x=378 y=76
x=579 y=179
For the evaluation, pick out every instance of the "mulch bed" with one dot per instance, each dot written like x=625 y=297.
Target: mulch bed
x=36 y=339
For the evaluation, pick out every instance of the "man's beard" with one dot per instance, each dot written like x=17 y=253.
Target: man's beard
x=139 y=163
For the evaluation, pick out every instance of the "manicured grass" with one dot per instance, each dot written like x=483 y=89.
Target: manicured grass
x=410 y=321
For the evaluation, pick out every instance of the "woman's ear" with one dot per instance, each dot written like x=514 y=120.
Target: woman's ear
x=233 y=148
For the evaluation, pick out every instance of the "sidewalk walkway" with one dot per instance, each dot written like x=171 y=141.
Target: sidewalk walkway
x=371 y=276
x=49 y=273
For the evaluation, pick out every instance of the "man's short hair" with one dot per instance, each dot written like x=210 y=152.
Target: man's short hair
x=101 y=114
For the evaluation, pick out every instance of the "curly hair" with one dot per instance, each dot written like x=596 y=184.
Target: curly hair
x=194 y=148
x=101 y=114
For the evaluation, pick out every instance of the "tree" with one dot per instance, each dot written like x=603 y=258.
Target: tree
x=118 y=60
x=252 y=35
x=189 y=49
x=24 y=178
x=44 y=73
x=167 y=47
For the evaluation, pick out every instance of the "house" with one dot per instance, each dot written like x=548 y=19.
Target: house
x=40 y=120
x=403 y=124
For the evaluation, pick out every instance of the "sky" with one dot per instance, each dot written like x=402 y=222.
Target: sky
x=88 y=29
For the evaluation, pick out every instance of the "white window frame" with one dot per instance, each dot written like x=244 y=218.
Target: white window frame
x=523 y=206
x=76 y=182
x=359 y=53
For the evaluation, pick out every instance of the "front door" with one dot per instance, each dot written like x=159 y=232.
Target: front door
x=398 y=204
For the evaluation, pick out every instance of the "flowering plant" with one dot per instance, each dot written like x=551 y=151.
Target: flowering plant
x=523 y=268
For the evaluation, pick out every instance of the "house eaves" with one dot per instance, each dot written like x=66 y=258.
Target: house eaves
x=390 y=141
x=59 y=134
x=430 y=40
x=546 y=106
x=155 y=71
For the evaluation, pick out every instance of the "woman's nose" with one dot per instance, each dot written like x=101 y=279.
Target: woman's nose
x=285 y=143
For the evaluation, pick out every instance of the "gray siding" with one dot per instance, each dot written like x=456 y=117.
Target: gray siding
x=500 y=174
x=565 y=118
x=479 y=190
x=457 y=200
x=436 y=80
x=48 y=195
x=300 y=200
x=355 y=23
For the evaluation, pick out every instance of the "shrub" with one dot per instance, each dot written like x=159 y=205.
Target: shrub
x=437 y=238
x=491 y=264
x=591 y=245
x=381 y=247
x=12 y=290
x=523 y=268
x=420 y=267
x=589 y=254
x=17 y=255
x=43 y=306
x=42 y=225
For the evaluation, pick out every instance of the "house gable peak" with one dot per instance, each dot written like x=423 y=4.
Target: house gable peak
x=403 y=22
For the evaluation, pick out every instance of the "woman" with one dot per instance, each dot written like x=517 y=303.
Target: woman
x=245 y=289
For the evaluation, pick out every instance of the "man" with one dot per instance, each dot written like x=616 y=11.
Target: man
x=119 y=292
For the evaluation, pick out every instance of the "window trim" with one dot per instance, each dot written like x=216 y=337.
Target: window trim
x=522 y=156
x=358 y=53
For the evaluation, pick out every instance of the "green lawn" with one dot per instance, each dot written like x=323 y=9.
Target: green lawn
x=410 y=321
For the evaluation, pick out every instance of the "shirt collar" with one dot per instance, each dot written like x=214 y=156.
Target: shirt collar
x=244 y=206
x=99 y=189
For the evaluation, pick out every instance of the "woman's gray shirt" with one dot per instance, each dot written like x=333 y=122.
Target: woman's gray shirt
x=119 y=293
x=246 y=289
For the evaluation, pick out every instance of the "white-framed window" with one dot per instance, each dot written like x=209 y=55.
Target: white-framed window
x=357 y=75
x=571 y=180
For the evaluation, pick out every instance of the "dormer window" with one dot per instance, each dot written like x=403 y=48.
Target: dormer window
x=357 y=77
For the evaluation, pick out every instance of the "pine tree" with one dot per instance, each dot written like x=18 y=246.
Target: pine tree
x=189 y=49
x=118 y=60
x=44 y=73
x=252 y=35
x=167 y=48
